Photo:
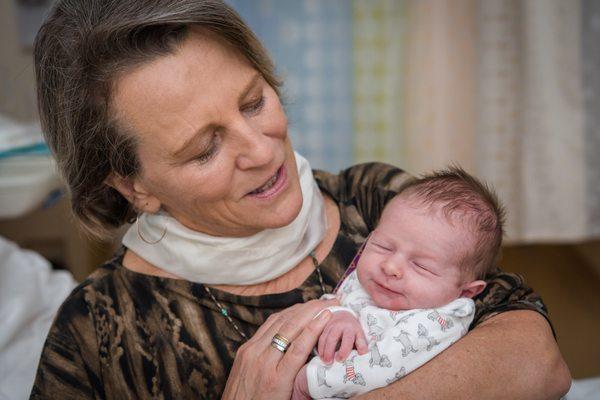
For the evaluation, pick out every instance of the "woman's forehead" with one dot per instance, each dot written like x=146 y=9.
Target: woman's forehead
x=182 y=91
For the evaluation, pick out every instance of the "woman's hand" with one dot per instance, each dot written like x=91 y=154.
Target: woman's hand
x=260 y=371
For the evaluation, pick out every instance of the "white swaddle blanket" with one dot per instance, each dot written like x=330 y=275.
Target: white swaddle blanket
x=399 y=342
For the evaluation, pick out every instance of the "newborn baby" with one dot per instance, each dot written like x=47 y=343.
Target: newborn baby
x=409 y=297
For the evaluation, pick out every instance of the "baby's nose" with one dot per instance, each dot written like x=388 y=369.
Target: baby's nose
x=393 y=269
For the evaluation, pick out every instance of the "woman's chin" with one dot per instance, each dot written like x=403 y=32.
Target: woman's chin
x=284 y=210
x=284 y=214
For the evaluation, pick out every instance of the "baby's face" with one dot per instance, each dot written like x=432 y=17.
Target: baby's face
x=412 y=259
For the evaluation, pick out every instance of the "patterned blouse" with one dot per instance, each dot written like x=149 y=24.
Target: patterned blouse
x=126 y=335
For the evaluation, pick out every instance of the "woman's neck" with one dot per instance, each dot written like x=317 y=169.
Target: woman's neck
x=286 y=282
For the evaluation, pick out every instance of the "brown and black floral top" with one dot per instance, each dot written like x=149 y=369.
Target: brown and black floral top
x=125 y=335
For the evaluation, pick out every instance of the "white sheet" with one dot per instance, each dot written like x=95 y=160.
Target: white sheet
x=584 y=389
x=30 y=294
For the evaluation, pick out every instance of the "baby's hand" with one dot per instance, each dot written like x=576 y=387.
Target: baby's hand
x=345 y=328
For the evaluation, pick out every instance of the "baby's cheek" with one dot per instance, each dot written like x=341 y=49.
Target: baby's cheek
x=362 y=273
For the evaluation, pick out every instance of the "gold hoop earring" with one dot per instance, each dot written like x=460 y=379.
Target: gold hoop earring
x=137 y=223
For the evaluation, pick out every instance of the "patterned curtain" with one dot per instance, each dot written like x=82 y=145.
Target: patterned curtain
x=440 y=89
x=310 y=42
x=379 y=28
x=508 y=89
x=531 y=119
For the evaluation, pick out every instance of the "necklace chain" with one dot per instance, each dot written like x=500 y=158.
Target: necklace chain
x=225 y=313
x=313 y=257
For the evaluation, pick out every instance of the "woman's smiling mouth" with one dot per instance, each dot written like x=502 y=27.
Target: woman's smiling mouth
x=273 y=186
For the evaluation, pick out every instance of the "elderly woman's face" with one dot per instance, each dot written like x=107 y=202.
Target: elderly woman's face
x=212 y=141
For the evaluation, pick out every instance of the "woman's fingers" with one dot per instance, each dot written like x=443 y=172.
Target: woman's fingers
x=262 y=371
x=296 y=317
x=298 y=352
x=276 y=320
x=289 y=325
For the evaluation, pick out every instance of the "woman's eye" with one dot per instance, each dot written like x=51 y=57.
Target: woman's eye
x=255 y=106
x=210 y=152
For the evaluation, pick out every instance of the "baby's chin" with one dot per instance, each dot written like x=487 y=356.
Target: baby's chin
x=392 y=304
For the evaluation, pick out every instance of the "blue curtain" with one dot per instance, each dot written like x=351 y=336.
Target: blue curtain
x=311 y=44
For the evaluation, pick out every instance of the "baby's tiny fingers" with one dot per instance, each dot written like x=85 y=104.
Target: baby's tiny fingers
x=346 y=346
x=361 y=345
x=330 y=347
x=361 y=342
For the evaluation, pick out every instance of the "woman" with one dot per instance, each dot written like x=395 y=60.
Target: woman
x=167 y=114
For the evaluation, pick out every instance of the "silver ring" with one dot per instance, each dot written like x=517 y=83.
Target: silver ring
x=280 y=343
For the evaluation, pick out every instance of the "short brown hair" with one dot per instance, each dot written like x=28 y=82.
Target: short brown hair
x=82 y=48
x=459 y=194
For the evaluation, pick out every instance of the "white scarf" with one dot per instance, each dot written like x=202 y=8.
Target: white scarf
x=202 y=258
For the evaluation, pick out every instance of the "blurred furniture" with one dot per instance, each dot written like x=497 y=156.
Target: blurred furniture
x=34 y=214
x=53 y=232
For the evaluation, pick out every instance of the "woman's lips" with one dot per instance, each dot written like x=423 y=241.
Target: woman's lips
x=275 y=188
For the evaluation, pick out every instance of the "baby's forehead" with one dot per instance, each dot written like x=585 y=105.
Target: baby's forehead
x=407 y=204
x=460 y=228
x=403 y=203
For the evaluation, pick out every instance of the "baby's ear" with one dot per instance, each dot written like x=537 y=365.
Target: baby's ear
x=472 y=289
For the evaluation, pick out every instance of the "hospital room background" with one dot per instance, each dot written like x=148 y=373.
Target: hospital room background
x=508 y=89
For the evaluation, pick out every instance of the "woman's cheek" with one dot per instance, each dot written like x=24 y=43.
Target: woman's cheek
x=276 y=122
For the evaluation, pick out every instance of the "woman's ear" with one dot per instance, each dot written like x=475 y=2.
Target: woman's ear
x=472 y=289
x=135 y=192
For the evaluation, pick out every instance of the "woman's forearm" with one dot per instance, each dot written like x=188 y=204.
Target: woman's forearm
x=512 y=355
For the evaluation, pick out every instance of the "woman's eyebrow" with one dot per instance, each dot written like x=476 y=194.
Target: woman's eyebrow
x=249 y=86
x=188 y=143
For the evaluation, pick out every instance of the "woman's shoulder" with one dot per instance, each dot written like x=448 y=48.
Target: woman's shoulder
x=96 y=281
x=361 y=178
x=361 y=192
x=123 y=329
x=75 y=317
x=70 y=361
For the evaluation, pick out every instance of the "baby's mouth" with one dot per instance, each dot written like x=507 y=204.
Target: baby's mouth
x=385 y=289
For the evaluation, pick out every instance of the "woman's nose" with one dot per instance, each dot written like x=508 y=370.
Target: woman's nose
x=255 y=149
